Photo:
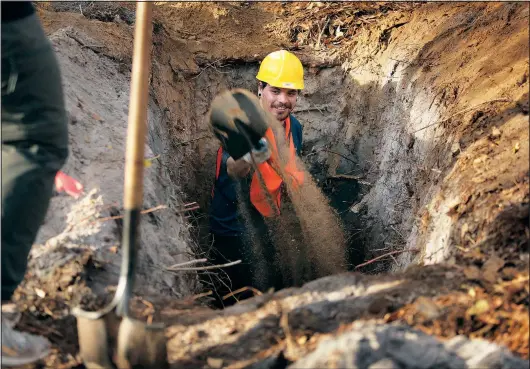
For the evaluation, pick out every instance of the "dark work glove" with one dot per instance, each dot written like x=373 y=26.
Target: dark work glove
x=238 y=121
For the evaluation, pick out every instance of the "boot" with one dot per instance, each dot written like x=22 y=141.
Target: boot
x=19 y=348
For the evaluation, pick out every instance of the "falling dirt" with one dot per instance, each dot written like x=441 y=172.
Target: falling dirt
x=305 y=237
x=323 y=237
x=415 y=122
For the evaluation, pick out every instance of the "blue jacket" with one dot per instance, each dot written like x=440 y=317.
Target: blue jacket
x=224 y=214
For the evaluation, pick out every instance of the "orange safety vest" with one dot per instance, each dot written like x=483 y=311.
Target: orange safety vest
x=272 y=180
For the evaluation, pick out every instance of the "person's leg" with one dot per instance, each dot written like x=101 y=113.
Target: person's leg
x=266 y=262
x=34 y=148
x=294 y=249
x=229 y=279
x=274 y=247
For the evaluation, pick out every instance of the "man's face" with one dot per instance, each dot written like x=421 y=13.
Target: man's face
x=279 y=101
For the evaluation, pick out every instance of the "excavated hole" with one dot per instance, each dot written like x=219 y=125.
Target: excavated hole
x=327 y=107
x=364 y=139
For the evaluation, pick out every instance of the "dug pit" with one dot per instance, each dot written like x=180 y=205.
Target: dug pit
x=415 y=121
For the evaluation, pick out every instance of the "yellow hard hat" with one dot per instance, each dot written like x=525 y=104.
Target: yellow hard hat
x=282 y=69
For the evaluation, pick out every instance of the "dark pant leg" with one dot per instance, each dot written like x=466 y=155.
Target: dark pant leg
x=266 y=255
x=34 y=141
x=229 y=279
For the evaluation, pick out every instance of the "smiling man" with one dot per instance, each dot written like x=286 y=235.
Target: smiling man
x=280 y=80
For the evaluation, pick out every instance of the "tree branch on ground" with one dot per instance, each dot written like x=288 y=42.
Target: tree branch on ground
x=385 y=255
x=204 y=268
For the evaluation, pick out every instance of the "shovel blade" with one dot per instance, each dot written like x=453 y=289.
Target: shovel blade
x=95 y=340
x=141 y=346
x=238 y=121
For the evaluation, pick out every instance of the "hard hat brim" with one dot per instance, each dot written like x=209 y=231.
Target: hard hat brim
x=278 y=84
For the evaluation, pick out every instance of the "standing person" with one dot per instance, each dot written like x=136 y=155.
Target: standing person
x=280 y=79
x=34 y=148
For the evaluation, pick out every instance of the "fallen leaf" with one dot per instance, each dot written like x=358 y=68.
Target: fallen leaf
x=464 y=230
x=491 y=267
x=48 y=311
x=214 y=363
x=64 y=182
x=509 y=272
x=40 y=293
x=427 y=307
x=338 y=32
x=472 y=272
x=495 y=133
x=471 y=292
x=149 y=161
x=301 y=340
x=480 y=307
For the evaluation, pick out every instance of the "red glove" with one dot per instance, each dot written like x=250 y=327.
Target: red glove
x=67 y=184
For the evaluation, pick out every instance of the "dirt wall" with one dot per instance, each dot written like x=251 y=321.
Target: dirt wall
x=97 y=99
x=431 y=108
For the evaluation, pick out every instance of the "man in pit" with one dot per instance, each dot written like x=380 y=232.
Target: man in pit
x=280 y=80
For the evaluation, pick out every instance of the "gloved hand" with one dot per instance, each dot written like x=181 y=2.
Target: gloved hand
x=68 y=184
x=261 y=153
x=238 y=121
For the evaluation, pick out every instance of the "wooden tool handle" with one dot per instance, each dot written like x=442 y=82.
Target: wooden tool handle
x=137 y=127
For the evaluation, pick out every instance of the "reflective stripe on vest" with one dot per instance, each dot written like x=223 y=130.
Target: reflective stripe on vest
x=218 y=166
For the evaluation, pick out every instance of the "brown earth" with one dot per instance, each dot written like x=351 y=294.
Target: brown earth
x=432 y=106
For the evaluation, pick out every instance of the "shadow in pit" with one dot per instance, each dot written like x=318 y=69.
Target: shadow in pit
x=349 y=159
x=342 y=193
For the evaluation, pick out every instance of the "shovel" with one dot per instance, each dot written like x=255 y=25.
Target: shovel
x=238 y=121
x=110 y=338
